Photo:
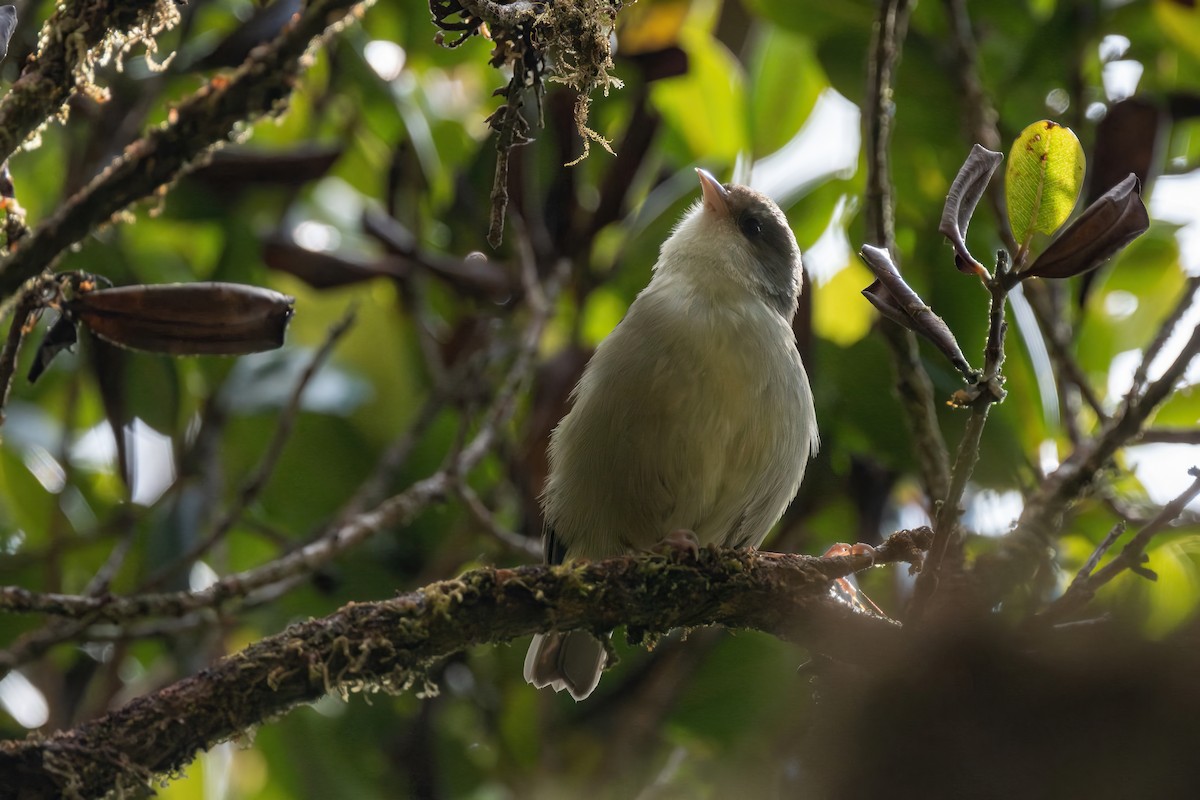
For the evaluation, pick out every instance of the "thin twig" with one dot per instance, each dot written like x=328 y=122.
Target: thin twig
x=1132 y=557
x=374 y=488
x=1170 y=436
x=1139 y=514
x=886 y=44
x=988 y=390
x=257 y=480
x=1058 y=341
x=913 y=385
x=483 y=515
x=103 y=578
x=1190 y=293
x=24 y=316
x=981 y=115
x=1025 y=547
x=1093 y=561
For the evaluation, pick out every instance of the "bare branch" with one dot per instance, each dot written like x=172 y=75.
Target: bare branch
x=912 y=380
x=1024 y=548
x=1170 y=436
x=481 y=514
x=981 y=116
x=986 y=391
x=1165 y=331
x=886 y=45
x=256 y=482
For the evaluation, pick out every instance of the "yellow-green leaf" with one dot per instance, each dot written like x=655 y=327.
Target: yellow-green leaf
x=1181 y=23
x=1043 y=179
x=839 y=315
x=706 y=108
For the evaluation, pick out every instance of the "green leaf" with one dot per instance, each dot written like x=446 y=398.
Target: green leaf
x=706 y=108
x=1173 y=596
x=1180 y=22
x=1043 y=179
x=815 y=19
x=785 y=80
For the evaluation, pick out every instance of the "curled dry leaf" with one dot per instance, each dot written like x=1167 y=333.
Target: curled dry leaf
x=896 y=300
x=966 y=190
x=1108 y=225
x=61 y=336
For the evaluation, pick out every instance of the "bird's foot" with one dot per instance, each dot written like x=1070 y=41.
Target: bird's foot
x=850 y=550
x=678 y=541
x=851 y=593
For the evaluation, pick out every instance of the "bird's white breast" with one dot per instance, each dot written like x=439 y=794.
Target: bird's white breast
x=694 y=413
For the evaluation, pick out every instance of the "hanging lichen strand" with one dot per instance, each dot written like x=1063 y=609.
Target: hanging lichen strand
x=574 y=37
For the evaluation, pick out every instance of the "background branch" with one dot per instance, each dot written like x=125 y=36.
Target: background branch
x=1132 y=557
x=913 y=385
x=1041 y=519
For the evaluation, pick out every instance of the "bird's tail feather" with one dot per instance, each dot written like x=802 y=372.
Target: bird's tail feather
x=571 y=661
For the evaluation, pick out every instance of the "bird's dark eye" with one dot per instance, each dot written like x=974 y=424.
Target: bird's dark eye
x=750 y=226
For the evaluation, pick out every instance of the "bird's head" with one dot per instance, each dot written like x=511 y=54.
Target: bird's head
x=737 y=234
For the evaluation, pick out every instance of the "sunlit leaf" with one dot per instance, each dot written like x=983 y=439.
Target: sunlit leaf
x=1043 y=179
x=1153 y=280
x=1174 y=595
x=1180 y=21
x=706 y=108
x=1182 y=410
x=838 y=314
x=785 y=81
x=648 y=27
x=604 y=309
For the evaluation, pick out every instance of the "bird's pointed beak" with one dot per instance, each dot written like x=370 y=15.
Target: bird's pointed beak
x=716 y=196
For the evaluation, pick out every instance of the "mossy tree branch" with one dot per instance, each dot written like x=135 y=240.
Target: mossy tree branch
x=390 y=646
x=69 y=42
x=207 y=118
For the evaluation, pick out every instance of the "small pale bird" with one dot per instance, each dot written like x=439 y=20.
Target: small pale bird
x=693 y=416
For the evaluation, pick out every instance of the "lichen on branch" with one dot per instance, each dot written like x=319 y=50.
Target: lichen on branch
x=77 y=37
x=568 y=43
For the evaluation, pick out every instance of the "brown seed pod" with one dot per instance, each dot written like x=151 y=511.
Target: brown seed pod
x=186 y=318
